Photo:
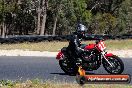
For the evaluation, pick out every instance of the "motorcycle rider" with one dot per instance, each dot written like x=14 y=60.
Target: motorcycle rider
x=75 y=41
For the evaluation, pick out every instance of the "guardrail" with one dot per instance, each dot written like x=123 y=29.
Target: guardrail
x=37 y=38
x=33 y=38
x=88 y=37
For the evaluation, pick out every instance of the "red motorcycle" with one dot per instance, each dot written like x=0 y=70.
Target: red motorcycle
x=91 y=59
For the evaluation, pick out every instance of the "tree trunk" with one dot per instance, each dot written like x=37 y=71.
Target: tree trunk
x=55 y=23
x=39 y=19
x=3 y=30
x=38 y=23
x=44 y=9
x=0 y=31
x=58 y=8
x=43 y=24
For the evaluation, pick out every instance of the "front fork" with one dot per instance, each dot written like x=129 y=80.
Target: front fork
x=104 y=57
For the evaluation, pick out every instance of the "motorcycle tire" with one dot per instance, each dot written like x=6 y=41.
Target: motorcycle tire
x=118 y=63
x=73 y=70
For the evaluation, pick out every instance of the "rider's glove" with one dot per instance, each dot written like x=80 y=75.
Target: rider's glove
x=80 y=49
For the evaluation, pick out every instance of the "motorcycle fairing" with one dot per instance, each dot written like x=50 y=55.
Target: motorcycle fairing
x=89 y=47
x=108 y=54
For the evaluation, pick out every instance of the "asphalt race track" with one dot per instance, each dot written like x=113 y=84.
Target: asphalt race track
x=23 y=68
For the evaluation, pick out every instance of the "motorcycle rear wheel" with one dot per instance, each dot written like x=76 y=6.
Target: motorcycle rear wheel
x=68 y=68
x=118 y=65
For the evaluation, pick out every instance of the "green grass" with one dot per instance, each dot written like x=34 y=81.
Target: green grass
x=51 y=84
x=119 y=44
x=55 y=46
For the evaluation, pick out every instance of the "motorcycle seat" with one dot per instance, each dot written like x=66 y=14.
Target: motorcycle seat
x=64 y=49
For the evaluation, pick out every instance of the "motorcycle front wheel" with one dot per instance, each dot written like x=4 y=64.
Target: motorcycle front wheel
x=117 y=63
x=68 y=68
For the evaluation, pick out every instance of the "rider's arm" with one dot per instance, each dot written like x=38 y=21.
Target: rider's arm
x=77 y=45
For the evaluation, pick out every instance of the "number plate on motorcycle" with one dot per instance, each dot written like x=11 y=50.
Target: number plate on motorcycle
x=101 y=46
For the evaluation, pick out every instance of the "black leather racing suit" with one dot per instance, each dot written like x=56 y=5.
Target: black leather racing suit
x=74 y=46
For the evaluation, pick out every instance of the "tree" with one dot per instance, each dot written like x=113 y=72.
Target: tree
x=61 y=17
x=55 y=7
x=6 y=12
x=124 y=18
x=41 y=7
x=44 y=15
x=104 y=6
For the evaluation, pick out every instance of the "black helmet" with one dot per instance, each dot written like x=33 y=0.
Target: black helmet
x=81 y=29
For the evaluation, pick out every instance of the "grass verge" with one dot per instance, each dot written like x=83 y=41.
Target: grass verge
x=55 y=46
x=49 y=84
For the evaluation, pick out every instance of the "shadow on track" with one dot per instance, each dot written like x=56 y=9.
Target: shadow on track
x=58 y=73
x=69 y=75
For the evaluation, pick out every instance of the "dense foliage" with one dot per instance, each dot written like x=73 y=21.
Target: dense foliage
x=60 y=17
